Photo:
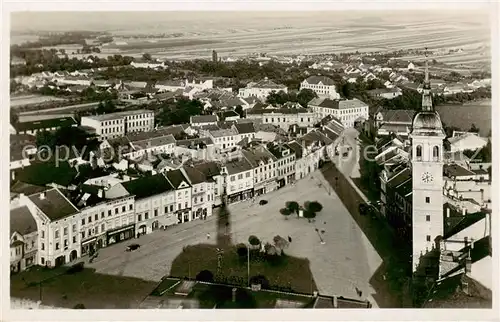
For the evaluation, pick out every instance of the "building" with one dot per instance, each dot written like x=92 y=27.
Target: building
x=386 y=93
x=154 y=145
x=264 y=164
x=22 y=150
x=261 y=89
x=397 y=122
x=212 y=172
x=427 y=160
x=285 y=163
x=309 y=150
x=202 y=192
x=53 y=124
x=321 y=85
x=113 y=125
x=105 y=218
x=239 y=180
x=225 y=140
x=58 y=222
x=282 y=117
x=142 y=63
x=466 y=141
x=23 y=238
x=183 y=197
x=203 y=120
x=347 y=111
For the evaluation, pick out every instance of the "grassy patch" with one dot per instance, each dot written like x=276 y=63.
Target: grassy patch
x=286 y=273
x=93 y=290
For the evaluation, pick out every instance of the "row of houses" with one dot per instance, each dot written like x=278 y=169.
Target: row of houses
x=56 y=225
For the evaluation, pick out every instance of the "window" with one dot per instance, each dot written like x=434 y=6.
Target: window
x=56 y=235
x=102 y=214
x=171 y=208
x=428 y=238
x=43 y=234
x=201 y=199
x=83 y=221
x=427 y=199
x=186 y=204
x=103 y=227
x=232 y=178
x=109 y=212
x=97 y=229
x=139 y=217
x=435 y=152
x=83 y=234
x=195 y=199
x=179 y=206
x=248 y=175
x=57 y=246
x=43 y=247
x=130 y=207
x=89 y=232
x=428 y=218
x=124 y=208
x=419 y=152
x=116 y=211
x=74 y=239
x=65 y=231
x=42 y=260
x=166 y=209
x=240 y=176
x=146 y=216
x=96 y=217
x=89 y=219
x=65 y=243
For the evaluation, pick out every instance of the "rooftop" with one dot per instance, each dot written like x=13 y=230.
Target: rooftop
x=148 y=186
x=54 y=204
x=244 y=128
x=238 y=166
x=22 y=221
x=45 y=124
x=204 y=119
x=336 y=104
x=176 y=177
x=118 y=115
x=320 y=79
x=455 y=170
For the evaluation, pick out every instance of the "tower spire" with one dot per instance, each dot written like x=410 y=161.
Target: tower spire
x=426 y=93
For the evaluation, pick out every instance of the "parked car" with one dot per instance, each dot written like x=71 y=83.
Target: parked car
x=132 y=247
x=263 y=202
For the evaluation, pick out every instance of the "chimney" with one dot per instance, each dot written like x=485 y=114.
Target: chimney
x=100 y=193
x=42 y=195
x=234 y=294
x=464 y=211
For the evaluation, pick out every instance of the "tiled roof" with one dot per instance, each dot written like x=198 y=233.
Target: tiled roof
x=455 y=170
x=244 y=128
x=278 y=111
x=397 y=116
x=399 y=178
x=336 y=104
x=384 y=90
x=223 y=133
x=26 y=188
x=257 y=154
x=176 y=177
x=153 y=142
x=323 y=79
x=192 y=142
x=238 y=166
x=467 y=221
x=295 y=146
x=313 y=137
x=194 y=175
x=266 y=83
x=22 y=221
x=203 y=119
x=54 y=205
x=118 y=115
x=148 y=186
x=208 y=168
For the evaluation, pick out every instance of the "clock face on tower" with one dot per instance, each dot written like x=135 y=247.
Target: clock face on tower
x=427 y=177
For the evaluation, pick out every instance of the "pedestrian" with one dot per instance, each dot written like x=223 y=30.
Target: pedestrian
x=208 y=235
x=289 y=239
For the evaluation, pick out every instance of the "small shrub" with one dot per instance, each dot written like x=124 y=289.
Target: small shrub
x=314 y=206
x=79 y=306
x=285 y=212
x=253 y=240
x=205 y=276
x=309 y=214
x=293 y=206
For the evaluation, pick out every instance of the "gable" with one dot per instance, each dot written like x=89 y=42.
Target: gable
x=183 y=185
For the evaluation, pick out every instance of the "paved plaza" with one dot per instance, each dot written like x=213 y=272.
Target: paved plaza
x=345 y=261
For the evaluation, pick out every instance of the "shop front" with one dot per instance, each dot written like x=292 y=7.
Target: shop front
x=120 y=234
x=89 y=246
x=183 y=216
x=239 y=196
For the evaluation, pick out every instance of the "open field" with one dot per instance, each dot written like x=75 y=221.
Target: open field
x=463 y=116
x=195 y=35
x=16 y=101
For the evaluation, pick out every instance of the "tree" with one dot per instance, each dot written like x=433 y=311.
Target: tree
x=45 y=138
x=293 y=206
x=314 y=206
x=305 y=96
x=79 y=306
x=205 y=276
x=473 y=128
x=241 y=250
x=147 y=56
x=309 y=214
x=253 y=240
x=285 y=212
x=280 y=243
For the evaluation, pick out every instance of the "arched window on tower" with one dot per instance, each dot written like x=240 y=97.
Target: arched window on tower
x=435 y=153
x=418 y=152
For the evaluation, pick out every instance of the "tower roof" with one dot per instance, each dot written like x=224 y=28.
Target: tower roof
x=427 y=123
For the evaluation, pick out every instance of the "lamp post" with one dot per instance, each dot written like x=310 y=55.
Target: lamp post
x=248 y=265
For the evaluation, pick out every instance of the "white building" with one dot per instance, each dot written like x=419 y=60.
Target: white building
x=309 y=150
x=264 y=166
x=23 y=238
x=202 y=192
x=154 y=145
x=387 y=93
x=118 y=124
x=183 y=197
x=466 y=141
x=321 y=85
x=202 y=120
x=347 y=111
x=238 y=180
x=58 y=222
x=261 y=89
x=140 y=63
x=225 y=139
x=283 y=117
x=285 y=163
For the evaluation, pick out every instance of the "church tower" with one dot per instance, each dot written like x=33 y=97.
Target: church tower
x=427 y=137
